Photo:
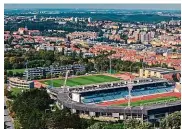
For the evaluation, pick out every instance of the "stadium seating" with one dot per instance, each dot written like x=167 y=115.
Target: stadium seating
x=161 y=90
x=119 y=94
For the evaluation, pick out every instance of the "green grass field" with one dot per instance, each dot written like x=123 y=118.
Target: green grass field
x=82 y=80
x=16 y=91
x=150 y=102
x=16 y=70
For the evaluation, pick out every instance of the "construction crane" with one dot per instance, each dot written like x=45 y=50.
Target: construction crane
x=66 y=77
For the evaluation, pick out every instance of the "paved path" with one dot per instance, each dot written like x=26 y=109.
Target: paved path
x=7 y=118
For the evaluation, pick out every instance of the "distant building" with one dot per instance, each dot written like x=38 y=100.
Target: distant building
x=157 y=72
x=22 y=30
x=71 y=18
x=89 y=19
x=85 y=55
x=136 y=35
x=44 y=47
x=35 y=17
x=142 y=36
x=76 y=19
x=40 y=72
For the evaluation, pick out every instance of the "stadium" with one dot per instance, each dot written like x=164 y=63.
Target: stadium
x=148 y=99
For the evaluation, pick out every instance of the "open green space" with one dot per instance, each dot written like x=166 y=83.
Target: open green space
x=151 y=101
x=16 y=91
x=16 y=70
x=82 y=80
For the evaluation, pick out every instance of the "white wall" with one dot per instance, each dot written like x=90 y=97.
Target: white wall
x=115 y=115
x=76 y=97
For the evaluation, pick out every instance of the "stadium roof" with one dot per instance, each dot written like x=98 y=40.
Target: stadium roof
x=99 y=87
x=64 y=99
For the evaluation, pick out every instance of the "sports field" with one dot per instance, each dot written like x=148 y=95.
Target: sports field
x=151 y=101
x=16 y=70
x=82 y=80
x=143 y=99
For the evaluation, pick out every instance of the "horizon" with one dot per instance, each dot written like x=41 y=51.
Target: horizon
x=96 y=6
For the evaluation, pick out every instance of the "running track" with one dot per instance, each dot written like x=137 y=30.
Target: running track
x=121 y=101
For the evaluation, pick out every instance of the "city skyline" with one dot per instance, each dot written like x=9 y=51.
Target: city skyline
x=96 y=6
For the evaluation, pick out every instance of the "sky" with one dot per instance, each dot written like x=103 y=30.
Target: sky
x=96 y=6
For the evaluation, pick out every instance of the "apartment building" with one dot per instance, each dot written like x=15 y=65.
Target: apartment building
x=39 y=72
x=157 y=72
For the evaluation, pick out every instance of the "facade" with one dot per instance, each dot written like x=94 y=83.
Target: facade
x=56 y=71
x=89 y=19
x=76 y=19
x=19 y=83
x=157 y=72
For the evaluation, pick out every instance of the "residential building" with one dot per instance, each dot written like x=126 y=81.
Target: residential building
x=40 y=72
x=157 y=72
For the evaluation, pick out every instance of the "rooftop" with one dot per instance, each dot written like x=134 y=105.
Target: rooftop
x=18 y=80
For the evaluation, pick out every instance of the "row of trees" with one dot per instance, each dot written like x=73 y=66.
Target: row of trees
x=51 y=25
x=46 y=58
x=43 y=58
x=36 y=58
x=173 y=121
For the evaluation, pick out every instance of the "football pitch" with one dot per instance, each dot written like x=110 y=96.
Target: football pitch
x=82 y=80
x=159 y=100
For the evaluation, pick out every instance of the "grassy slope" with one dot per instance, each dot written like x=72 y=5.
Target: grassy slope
x=16 y=91
x=83 y=80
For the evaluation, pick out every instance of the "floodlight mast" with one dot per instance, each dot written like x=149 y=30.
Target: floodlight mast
x=66 y=77
x=51 y=76
x=110 y=64
x=129 y=94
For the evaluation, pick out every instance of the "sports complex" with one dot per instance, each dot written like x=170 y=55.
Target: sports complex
x=110 y=99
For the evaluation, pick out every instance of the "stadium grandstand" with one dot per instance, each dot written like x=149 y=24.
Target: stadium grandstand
x=104 y=101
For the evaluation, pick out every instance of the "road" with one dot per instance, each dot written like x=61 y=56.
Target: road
x=7 y=118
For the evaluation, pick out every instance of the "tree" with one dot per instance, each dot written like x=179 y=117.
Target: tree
x=5 y=90
x=30 y=106
x=10 y=73
x=100 y=33
x=74 y=54
x=7 y=64
x=80 y=54
x=5 y=79
x=172 y=121
x=175 y=78
x=98 y=125
x=174 y=50
x=12 y=60
x=48 y=75
x=164 y=65
x=61 y=119
x=136 y=124
x=62 y=52
x=17 y=124
x=78 y=73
